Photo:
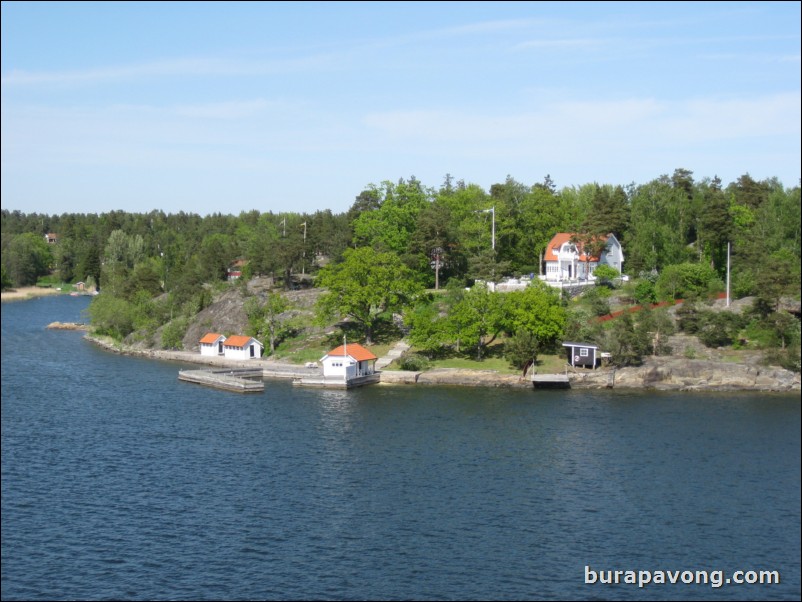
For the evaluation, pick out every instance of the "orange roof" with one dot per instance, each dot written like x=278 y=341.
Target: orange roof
x=354 y=350
x=210 y=337
x=559 y=239
x=238 y=340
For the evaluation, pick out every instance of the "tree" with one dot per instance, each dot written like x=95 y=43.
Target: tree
x=27 y=258
x=536 y=310
x=477 y=319
x=521 y=350
x=780 y=276
x=364 y=287
x=5 y=278
x=628 y=345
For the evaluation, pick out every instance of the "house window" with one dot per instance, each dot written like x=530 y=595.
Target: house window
x=583 y=352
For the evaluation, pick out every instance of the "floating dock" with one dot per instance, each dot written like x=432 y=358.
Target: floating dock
x=337 y=383
x=551 y=381
x=238 y=380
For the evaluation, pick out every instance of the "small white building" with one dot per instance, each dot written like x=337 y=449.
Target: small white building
x=348 y=361
x=212 y=344
x=566 y=260
x=240 y=347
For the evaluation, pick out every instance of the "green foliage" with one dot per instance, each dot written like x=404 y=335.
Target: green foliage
x=477 y=319
x=606 y=273
x=112 y=316
x=671 y=221
x=5 y=279
x=268 y=319
x=627 y=344
x=538 y=311
x=413 y=362
x=582 y=325
x=645 y=293
x=687 y=281
x=365 y=287
x=428 y=325
x=597 y=298
x=521 y=349
x=26 y=259
x=173 y=333
x=779 y=276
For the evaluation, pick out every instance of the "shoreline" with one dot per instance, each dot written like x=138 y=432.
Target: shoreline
x=656 y=374
x=24 y=293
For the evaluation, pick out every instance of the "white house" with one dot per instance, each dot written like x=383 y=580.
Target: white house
x=348 y=361
x=212 y=344
x=239 y=347
x=566 y=260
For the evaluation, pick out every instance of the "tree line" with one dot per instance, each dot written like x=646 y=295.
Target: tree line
x=675 y=231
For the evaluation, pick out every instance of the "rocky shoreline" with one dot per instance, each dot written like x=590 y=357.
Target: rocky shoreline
x=656 y=373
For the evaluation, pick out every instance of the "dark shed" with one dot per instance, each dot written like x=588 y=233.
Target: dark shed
x=585 y=355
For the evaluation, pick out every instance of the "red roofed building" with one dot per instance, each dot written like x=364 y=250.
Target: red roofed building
x=212 y=344
x=239 y=347
x=347 y=361
x=566 y=260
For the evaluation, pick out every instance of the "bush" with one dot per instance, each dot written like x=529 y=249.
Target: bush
x=413 y=363
x=645 y=293
x=173 y=333
x=718 y=329
x=687 y=281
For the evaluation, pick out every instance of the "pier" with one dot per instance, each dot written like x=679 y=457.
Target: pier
x=551 y=381
x=237 y=380
x=337 y=383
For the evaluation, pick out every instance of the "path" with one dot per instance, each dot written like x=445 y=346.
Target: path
x=397 y=351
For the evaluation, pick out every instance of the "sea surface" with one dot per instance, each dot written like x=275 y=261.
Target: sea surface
x=120 y=482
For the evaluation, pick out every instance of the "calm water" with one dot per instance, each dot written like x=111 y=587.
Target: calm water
x=120 y=482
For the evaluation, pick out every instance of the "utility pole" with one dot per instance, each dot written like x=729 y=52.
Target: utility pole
x=303 y=261
x=492 y=210
x=728 y=274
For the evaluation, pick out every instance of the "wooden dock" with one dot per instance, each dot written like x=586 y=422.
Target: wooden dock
x=238 y=380
x=337 y=383
x=551 y=381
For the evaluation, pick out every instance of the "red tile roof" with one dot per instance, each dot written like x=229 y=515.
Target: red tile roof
x=238 y=340
x=559 y=239
x=354 y=350
x=210 y=337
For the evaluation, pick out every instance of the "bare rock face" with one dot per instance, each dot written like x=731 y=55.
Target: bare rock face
x=689 y=375
x=225 y=315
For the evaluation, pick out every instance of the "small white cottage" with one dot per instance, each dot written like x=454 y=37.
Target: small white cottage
x=348 y=361
x=212 y=344
x=239 y=347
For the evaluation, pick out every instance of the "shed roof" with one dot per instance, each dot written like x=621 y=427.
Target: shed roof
x=211 y=337
x=239 y=340
x=588 y=345
x=354 y=350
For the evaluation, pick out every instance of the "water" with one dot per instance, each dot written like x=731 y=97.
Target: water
x=120 y=482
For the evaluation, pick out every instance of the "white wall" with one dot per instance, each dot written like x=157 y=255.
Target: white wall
x=237 y=353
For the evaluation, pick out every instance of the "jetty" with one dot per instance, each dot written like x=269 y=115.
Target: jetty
x=238 y=380
x=551 y=381
x=332 y=382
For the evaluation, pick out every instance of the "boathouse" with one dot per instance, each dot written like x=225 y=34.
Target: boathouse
x=212 y=344
x=239 y=347
x=585 y=355
x=348 y=361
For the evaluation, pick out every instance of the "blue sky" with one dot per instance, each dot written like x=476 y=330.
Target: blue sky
x=281 y=106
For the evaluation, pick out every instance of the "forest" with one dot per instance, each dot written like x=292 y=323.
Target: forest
x=407 y=249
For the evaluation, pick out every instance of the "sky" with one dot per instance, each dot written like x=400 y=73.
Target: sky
x=209 y=107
